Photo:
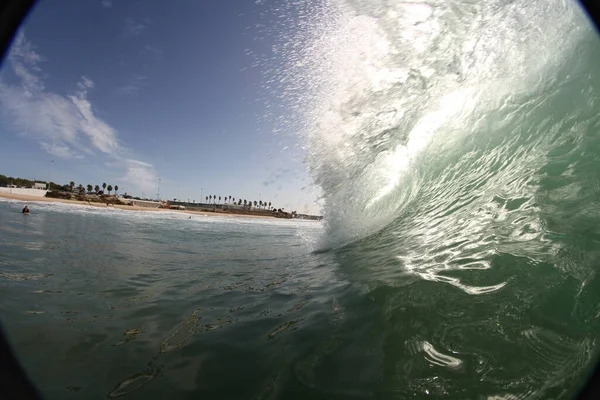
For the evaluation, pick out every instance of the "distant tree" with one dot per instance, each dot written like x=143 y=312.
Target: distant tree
x=80 y=188
x=219 y=199
x=245 y=202
x=96 y=188
x=234 y=200
x=210 y=198
x=260 y=203
x=72 y=185
x=230 y=198
x=214 y=198
x=104 y=186
x=109 y=188
x=207 y=199
x=269 y=204
x=239 y=202
x=255 y=203
x=89 y=188
x=116 y=189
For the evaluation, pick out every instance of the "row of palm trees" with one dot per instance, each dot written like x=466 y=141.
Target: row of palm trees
x=231 y=200
x=96 y=188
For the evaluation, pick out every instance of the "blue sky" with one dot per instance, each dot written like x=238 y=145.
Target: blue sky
x=127 y=92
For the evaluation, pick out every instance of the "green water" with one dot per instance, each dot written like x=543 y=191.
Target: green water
x=112 y=303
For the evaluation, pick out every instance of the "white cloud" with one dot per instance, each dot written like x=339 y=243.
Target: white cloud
x=153 y=50
x=106 y=3
x=140 y=174
x=64 y=125
x=135 y=84
x=135 y=26
x=24 y=61
x=136 y=173
x=59 y=150
x=24 y=51
x=102 y=135
x=85 y=83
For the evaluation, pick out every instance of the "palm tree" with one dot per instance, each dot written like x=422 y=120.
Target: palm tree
x=230 y=198
x=104 y=185
x=239 y=202
x=116 y=189
x=80 y=188
x=96 y=188
x=89 y=188
x=219 y=198
x=207 y=199
x=269 y=204
x=260 y=203
x=215 y=198
x=245 y=202
x=72 y=184
x=109 y=188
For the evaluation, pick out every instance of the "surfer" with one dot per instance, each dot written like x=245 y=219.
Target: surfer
x=25 y=210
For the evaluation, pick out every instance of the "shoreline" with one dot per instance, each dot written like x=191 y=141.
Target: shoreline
x=25 y=198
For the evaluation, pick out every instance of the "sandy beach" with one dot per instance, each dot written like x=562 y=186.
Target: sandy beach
x=25 y=199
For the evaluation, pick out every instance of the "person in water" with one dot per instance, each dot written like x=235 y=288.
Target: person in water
x=25 y=210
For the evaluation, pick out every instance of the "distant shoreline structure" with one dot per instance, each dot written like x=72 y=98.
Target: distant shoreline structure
x=239 y=209
x=113 y=202
x=90 y=194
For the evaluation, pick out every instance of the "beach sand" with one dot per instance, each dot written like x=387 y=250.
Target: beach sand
x=26 y=199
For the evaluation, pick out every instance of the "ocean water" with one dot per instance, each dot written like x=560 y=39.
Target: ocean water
x=456 y=147
x=103 y=302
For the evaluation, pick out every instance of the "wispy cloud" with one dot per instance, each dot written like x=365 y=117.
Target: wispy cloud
x=135 y=26
x=152 y=50
x=136 y=173
x=60 y=150
x=57 y=121
x=140 y=174
x=85 y=84
x=106 y=3
x=135 y=84
x=64 y=125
